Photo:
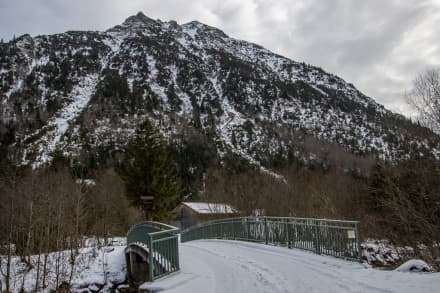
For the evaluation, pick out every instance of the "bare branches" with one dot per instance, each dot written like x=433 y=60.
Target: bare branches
x=42 y=211
x=425 y=98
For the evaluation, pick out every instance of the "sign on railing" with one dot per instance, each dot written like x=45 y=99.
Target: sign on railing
x=160 y=242
x=330 y=237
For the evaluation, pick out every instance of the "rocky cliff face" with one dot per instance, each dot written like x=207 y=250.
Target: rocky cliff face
x=78 y=92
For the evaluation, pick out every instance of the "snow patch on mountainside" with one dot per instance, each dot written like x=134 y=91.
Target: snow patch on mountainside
x=226 y=128
x=57 y=127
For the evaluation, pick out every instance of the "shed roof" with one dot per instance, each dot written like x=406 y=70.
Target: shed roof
x=210 y=208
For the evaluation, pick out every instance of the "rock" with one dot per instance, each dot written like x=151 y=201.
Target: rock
x=94 y=288
x=415 y=265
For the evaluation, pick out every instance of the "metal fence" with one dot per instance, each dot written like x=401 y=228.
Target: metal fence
x=330 y=237
x=160 y=241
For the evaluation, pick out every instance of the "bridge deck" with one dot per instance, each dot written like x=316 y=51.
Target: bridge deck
x=218 y=266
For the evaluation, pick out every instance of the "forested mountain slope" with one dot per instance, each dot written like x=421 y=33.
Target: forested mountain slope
x=82 y=94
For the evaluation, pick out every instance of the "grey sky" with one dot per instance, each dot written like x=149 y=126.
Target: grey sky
x=378 y=45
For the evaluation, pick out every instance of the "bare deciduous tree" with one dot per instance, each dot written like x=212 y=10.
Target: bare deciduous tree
x=45 y=210
x=425 y=98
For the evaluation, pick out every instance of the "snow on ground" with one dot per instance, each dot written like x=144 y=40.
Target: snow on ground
x=210 y=208
x=218 y=266
x=95 y=266
x=234 y=266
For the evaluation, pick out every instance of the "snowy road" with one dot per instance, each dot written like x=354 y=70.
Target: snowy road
x=209 y=266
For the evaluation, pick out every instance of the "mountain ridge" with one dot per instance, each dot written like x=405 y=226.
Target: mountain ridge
x=79 y=91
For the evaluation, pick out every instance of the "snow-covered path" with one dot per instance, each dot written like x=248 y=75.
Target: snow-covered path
x=234 y=266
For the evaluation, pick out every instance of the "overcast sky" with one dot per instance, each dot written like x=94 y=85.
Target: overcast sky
x=378 y=45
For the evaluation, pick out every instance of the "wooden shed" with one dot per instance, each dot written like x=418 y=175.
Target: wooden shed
x=191 y=213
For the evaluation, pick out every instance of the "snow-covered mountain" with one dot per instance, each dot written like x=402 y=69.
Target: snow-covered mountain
x=79 y=92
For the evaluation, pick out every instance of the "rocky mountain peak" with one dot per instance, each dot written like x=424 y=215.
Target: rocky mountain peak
x=25 y=41
x=140 y=20
x=203 y=28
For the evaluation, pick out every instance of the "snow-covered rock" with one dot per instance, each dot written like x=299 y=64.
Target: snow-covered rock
x=381 y=253
x=414 y=265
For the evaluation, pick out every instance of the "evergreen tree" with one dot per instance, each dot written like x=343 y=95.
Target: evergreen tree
x=147 y=170
x=173 y=99
x=382 y=187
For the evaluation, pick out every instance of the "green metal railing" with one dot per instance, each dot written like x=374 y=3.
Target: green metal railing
x=330 y=237
x=161 y=243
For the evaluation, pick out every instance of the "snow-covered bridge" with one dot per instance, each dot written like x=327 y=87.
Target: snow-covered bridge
x=331 y=237
x=224 y=256
x=218 y=266
x=152 y=247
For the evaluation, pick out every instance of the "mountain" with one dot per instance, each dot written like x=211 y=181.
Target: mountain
x=84 y=92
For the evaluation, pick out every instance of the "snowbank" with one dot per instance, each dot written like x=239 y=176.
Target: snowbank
x=414 y=265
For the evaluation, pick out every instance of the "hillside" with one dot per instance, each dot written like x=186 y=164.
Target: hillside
x=82 y=94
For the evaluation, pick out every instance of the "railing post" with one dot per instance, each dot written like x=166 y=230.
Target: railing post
x=176 y=253
x=266 y=232
x=358 y=240
x=287 y=233
x=150 y=258
x=317 y=235
x=233 y=230
x=248 y=229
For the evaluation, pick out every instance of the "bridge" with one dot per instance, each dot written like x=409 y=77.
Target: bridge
x=152 y=252
x=153 y=249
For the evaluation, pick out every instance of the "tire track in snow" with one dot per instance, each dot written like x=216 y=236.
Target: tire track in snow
x=314 y=266
x=262 y=273
x=219 y=266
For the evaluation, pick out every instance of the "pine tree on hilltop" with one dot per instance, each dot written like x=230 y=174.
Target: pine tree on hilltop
x=147 y=170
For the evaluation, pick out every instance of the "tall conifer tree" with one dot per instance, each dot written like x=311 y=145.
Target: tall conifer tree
x=147 y=170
